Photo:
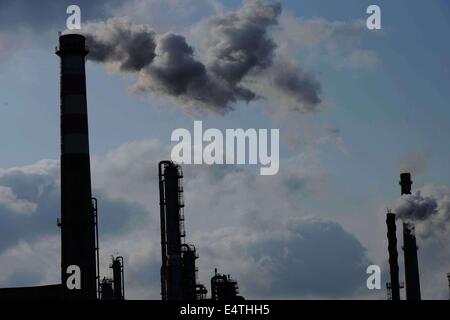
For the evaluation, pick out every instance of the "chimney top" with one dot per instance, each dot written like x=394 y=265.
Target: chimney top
x=72 y=43
x=405 y=182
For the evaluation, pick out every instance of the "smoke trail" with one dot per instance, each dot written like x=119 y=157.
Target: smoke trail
x=239 y=50
x=238 y=41
x=428 y=208
x=414 y=162
x=118 y=41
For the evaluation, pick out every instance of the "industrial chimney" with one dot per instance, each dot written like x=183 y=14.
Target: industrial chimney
x=410 y=248
x=78 y=249
x=394 y=286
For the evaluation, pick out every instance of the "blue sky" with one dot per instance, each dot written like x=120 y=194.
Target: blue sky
x=402 y=103
x=385 y=111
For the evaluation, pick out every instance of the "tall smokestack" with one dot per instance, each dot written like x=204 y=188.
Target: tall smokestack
x=410 y=248
x=393 y=255
x=77 y=214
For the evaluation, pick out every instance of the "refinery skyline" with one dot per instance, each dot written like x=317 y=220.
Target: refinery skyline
x=360 y=107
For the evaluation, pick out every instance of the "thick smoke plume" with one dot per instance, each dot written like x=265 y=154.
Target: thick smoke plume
x=118 y=41
x=239 y=51
x=428 y=208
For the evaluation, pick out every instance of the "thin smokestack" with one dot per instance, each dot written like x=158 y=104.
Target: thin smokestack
x=393 y=255
x=448 y=278
x=410 y=248
x=77 y=214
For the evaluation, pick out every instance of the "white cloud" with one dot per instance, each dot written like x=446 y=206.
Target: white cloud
x=338 y=43
x=9 y=199
x=167 y=15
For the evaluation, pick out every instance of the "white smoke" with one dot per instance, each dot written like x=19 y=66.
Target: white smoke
x=428 y=208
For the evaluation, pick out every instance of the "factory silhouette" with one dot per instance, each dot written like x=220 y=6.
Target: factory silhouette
x=80 y=270
x=409 y=249
x=79 y=221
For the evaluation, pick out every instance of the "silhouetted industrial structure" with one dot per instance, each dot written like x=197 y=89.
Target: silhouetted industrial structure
x=78 y=222
x=448 y=278
x=118 y=278
x=394 y=286
x=79 y=217
x=106 y=289
x=223 y=287
x=410 y=248
x=114 y=289
x=178 y=270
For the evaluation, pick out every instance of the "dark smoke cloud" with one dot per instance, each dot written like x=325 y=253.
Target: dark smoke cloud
x=238 y=41
x=428 y=208
x=239 y=51
x=293 y=82
x=117 y=40
x=175 y=72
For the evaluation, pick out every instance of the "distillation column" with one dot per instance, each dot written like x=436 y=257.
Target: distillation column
x=172 y=230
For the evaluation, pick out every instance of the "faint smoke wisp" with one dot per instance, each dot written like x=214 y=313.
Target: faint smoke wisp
x=428 y=208
x=413 y=162
x=239 y=51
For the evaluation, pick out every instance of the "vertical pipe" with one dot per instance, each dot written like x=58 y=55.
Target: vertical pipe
x=97 y=249
x=162 y=206
x=448 y=278
x=393 y=255
x=77 y=217
x=410 y=248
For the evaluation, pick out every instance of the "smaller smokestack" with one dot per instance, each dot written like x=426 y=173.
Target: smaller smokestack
x=411 y=262
x=405 y=182
x=393 y=255
x=410 y=247
x=448 y=277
